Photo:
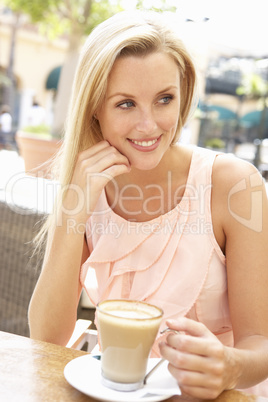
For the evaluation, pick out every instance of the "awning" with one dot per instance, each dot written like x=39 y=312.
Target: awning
x=254 y=118
x=53 y=78
x=223 y=113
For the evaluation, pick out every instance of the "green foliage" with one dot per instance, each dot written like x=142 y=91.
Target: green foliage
x=4 y=80
x=156 y=5
x=56 y=17
x=38 y=10
x=100 y=11
x=253 y=86
x=42 y=130
x=216 y=143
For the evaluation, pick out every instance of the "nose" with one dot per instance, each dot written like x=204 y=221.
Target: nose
x=146 y=123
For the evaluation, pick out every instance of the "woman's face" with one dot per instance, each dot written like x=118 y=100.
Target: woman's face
x=140 y=112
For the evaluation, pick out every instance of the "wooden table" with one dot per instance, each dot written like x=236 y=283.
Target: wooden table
x=32 y=371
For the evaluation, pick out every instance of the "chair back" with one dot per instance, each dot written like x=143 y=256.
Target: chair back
x=19 y=268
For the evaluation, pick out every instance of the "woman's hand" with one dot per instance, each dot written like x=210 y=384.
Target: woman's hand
x=201 y=364
x=95 y=167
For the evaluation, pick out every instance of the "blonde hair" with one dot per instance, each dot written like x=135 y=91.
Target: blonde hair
x=137 y=33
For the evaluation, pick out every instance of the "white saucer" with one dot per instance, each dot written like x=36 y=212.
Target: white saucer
x=84 y=374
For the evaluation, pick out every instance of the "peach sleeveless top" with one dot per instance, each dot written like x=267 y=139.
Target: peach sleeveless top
x=173 y=261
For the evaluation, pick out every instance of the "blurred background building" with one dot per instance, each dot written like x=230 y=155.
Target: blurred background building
x=35 y=61
x=226 y=38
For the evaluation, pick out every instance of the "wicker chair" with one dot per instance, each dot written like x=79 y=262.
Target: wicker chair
x=19 y=270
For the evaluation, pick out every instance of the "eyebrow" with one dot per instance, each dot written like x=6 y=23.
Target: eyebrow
x=125 y=95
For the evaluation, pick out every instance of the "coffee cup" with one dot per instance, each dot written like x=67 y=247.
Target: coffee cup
x=127 y=330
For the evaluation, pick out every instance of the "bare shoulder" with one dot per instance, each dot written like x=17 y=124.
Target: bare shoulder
x=238 y=192
x=230 y=171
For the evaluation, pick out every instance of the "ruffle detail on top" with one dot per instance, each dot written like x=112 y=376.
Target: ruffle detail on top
x=141 y=247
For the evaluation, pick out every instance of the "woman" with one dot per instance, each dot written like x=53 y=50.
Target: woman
x=174 y=225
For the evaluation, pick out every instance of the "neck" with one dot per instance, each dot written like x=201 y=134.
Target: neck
x=143 y=195
x=158 y=175
x=150 y=193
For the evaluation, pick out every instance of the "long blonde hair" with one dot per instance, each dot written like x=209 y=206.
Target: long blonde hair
x=137 y=33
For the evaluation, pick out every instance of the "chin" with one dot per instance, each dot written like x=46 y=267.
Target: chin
x=145 y=166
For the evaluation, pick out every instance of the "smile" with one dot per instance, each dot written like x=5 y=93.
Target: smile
x=144 y=143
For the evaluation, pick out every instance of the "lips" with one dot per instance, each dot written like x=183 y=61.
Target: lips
x=145 y=143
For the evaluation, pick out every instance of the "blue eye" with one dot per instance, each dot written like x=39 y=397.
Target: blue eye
x=126 y=105
x=166 y=99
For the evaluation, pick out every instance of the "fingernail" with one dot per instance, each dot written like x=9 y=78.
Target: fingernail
x=171 y=323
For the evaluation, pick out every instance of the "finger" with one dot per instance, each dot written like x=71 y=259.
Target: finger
x=98 y=180
x=189 y=378
x=192 y=344
x=94 y=149
x=195 y=381
x=107 y=158
x=102 y=157
x=185 y=361
x=116 y=170
x=197 y=384
x=194 y=378
x=187 y=325
x=203 y=393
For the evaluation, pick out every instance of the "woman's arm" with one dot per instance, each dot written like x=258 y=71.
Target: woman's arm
x=198 y=360
x=53 y=307
x=246 y=228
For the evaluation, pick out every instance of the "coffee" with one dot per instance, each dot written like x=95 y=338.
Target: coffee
x=127 y=332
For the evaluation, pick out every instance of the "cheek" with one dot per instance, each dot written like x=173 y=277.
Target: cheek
x=169 y=120
x=169 y=123
x=117 y=128
x=106 y=126
x=114 y=132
